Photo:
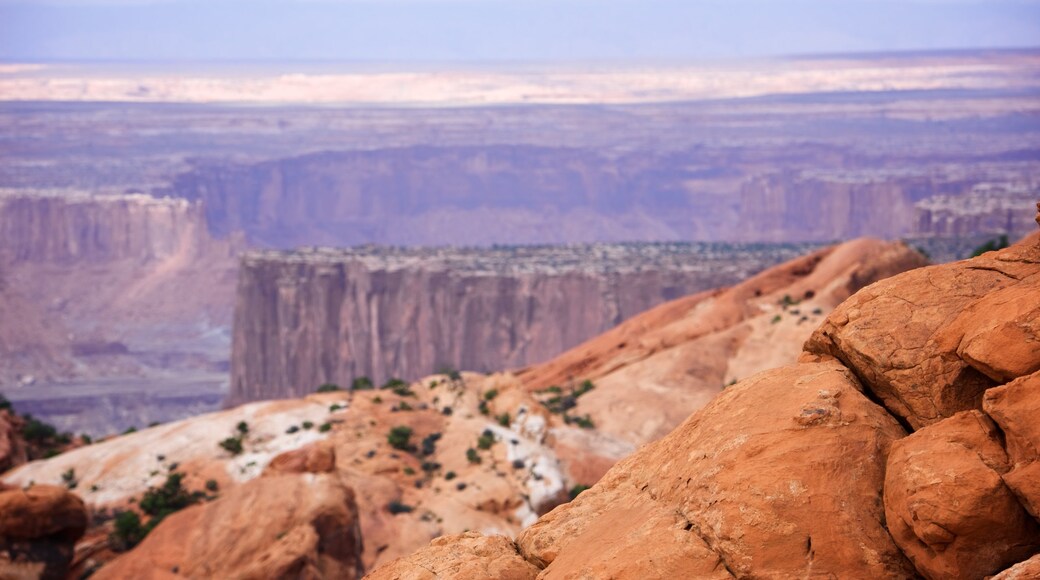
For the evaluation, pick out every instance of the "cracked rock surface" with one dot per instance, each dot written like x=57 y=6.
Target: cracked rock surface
x=904 y=444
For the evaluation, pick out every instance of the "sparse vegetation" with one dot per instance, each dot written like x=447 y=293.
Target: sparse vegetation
x=585 y=422
x=490 y=395
x=429 y=444
x=307 y=425
x=503 y=419
x=395 y=507
x=335 y=407
x=472 y=456
x=991 y=246
x=776 y=319
x=69 y=479
x=232 y=445
x=128 y=531
x=211 y=485
x=400 y=437
x=486 y=440
x=449 y=476
x=361 y=383
x=325 y=428
x=242 y=427
x=329 y=388
x=160 y=502
x=576 y=490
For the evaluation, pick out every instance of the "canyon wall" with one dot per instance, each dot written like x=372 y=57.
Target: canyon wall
x=79 y=228
x=524 y=194
x=306 y=318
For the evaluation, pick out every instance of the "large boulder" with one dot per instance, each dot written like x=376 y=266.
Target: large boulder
x=778 y=477
x=39 y=527
x=948 y=507
x=1016 y=409
x=467 y=556
x=929 y=342
x=282 y=526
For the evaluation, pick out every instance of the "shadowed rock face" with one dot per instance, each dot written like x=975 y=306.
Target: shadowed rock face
x=306 y=318
x=38 y=528
x=877 y=455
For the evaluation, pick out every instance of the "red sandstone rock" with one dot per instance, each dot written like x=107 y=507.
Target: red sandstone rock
x=906 y=336
x=947 y=506
x=753 y=478
x=314 y=458
x=467 y=556
x=1016 y=409
x=38 y=528
x=283 y=526
x=1027 y=570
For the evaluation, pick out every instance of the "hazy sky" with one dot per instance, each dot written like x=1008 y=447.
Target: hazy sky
x=492 y=30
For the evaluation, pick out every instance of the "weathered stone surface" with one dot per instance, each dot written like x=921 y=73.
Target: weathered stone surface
x=947 y=506
x=1016 y=409
x=1027 y=570
x=905 y=336
x=13 y=451
x=655 y=369
x=467 y=556
x=314 y=458
x=283 y=526
x=779 y=476
x=38 y=529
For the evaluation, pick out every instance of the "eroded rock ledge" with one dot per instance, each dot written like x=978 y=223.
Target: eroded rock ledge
x=905 y=443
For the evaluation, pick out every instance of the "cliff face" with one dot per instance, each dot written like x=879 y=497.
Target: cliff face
x=94 y=229
x=111 y=287
x=539 y=195
x=300 y=323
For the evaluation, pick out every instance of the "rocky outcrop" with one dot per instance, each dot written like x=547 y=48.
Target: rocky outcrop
x=323 y=316
x=855 y=462
x=957 y=325
x=13 y=450
x=309 y=529
x=39 y=526
x=469 y=555
x=655 y=369
x=962 y=526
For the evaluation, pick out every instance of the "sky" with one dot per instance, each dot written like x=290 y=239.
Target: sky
x=501 y=30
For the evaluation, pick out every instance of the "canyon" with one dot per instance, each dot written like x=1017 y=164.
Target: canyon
x=736 y=489
x=151 y=205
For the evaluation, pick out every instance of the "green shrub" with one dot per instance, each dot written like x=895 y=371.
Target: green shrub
x=307 y=425
x=242 y=427
x=503 y=419
x=472 y=456
x=450 y=475
x=160 y=502
x=69 y=478
x=329 y=388
x=232 y=445
x=211 y=485
x=485 y=441
x=395 y=507
x=361 y=383
x=128 y=531
x=576 y=490
x=429 y=444
x=325 y=427
x=399 y=437
x=490 y=394
x=483 y=408
x=991 y=246
x=335 y=407
x=37 y=431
